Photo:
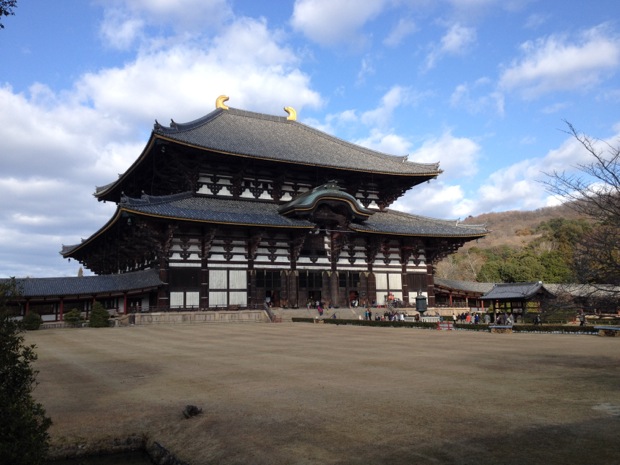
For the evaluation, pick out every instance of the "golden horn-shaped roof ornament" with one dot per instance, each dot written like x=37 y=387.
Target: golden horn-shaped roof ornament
x=219 y=102
x=292 y=114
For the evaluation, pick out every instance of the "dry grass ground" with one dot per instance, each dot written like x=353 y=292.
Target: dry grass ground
x=298 y=393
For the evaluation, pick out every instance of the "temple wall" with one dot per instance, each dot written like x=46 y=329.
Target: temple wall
x=245 y=316
x=217 y=263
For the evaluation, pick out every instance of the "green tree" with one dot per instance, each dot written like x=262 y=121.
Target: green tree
x=99 y=317
x=24 y=439
x=557 y=245
x=32 y=321
x=73 y=317
x=6 y=9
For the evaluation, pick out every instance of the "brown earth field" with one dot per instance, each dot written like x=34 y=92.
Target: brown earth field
x=299 y=393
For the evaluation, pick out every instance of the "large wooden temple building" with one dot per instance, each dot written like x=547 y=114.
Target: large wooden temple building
x=238 y=208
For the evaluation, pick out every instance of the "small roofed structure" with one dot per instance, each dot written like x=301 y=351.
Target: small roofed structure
x=517 y=298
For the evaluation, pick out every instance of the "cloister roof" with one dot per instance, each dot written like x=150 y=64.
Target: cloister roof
x=88 y=285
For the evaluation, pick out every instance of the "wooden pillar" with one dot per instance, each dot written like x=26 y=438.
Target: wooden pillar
x=325 y=287
x=61 y=309
x=364 y=289
x=207 y=240
x=405 y=285
x=430 y=285
x=284 y=288
x=333 y=285
x=125 y=309
x=372 y=288
x=293 y=288
x=165 y=242
x=204 y=284
x=163 y=301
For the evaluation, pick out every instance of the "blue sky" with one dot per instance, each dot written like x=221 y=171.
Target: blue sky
x=482 y=86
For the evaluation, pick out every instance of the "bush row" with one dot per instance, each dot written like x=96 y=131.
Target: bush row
x=524 y=328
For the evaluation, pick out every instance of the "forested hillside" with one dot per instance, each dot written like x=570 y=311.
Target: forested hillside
x=522 y=246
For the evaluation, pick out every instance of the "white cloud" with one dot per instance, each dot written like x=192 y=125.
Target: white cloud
x=395 y=97
x=245 y=63
x=330 y=22
x=436 y=200
x=515 y=187
x=555 y=107
x=456 y=41
x=404 y=28
x=568 y=155
x=126 y=20
x=522 y=185
x=57 y=147
x=458 y=155
x=120 y=31
x=464 y=96
x=556 y=63
x=535 y=20
x=390 y=143
x=366 y=69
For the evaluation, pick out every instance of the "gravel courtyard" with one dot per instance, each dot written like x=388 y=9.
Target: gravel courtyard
x=296 y=393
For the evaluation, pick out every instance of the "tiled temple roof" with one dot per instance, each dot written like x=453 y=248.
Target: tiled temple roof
x=88 y=285
x=198 y=208
x=239 y=212
x=276 y=138
x=399 y=223
x=516 y=291
x=209 y=209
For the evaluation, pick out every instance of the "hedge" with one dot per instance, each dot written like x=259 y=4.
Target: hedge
x=524 y=328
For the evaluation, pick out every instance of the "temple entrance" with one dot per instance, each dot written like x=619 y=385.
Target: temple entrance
x=349 y=285
x=310 y=288
x=268 y=287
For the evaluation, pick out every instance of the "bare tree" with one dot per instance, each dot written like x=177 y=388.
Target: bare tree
x=595 y=192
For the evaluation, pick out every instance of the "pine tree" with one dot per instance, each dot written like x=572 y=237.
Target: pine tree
x=24 y=439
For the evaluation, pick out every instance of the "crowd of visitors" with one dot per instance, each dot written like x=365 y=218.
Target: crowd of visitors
x=387 y=315
x=469 y=318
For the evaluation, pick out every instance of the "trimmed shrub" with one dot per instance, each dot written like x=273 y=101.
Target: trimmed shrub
x=99 y=317
x=32 y=321
x=73 y=318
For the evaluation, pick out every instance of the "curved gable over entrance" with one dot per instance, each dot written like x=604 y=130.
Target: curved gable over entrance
x=327 y=204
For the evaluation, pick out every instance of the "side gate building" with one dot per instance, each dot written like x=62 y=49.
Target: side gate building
x=238 y=209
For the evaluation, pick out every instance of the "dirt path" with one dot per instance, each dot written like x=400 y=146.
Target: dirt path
x=321 y=394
